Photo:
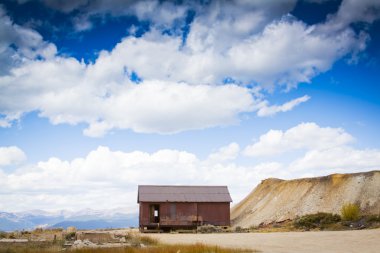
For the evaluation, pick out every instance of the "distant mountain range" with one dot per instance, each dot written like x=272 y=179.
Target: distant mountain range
x=83 y=219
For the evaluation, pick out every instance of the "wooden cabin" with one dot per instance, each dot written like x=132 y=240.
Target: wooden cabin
x=182 y=207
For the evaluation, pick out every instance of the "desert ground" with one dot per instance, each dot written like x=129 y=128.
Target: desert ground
x=323 y=241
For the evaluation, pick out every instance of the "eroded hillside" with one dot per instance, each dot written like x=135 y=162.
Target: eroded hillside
x=279 y=200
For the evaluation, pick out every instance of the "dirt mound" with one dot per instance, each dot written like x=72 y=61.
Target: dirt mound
x=276 y=200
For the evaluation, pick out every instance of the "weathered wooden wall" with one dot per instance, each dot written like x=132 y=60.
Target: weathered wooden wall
x=184 y=214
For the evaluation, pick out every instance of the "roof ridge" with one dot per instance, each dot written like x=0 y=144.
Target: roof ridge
x=183 y=185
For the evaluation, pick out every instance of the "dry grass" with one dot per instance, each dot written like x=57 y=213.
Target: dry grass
x=147 y=240
x=139 y=244
x=30 y=247
x=195 y=248
x=350 y=212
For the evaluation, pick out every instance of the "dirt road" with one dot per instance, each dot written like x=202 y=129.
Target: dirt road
x=292 y=242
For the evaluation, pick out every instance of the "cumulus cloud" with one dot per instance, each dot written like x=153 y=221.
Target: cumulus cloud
x=183 y=78
x=226 y=153
x=166 y=14
x=151 y=106
x=98 y=179
x=337 y=159
x=322 y=150
x=285 y=53
x=91 y=180
x=18 y=44
x=352 y=11
x=11 y=155
x=270 y=110
x=303 y=136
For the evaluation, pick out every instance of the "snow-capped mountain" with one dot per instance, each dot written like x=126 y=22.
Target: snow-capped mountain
x=83 y=219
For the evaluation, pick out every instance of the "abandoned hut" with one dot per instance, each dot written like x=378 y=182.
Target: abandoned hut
x=182 y=207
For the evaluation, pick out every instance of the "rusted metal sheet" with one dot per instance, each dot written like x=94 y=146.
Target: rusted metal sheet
x=162 y=193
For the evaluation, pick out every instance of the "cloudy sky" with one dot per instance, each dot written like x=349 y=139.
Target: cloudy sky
x=99 y=96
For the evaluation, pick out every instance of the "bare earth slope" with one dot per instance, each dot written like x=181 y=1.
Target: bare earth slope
x=279 y=200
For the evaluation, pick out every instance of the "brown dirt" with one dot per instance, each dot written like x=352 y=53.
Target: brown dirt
x=275 y=200
x=366 y=241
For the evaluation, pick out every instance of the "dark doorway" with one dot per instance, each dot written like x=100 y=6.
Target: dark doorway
x=155 y=213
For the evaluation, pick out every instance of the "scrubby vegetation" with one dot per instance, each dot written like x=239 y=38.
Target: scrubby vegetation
x=132 y=243
x=3 y=234
x=195 y=248
x=205 y=229
x=70 y=236
x=350 y=212
x=137 y=240
x=318 y=220
x=350 y=219
x=373 y=218
x=30 y=247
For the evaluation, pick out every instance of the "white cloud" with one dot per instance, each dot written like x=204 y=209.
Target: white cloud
x=82 y=23
x=11 y=155
x=101 y=95
x=151 y=106
x=351 y=11
x=337 y=159
x=270 y=110
x=183 y=84
x=324 y=150
x=6 y=121
x=19 y=44
x=100 y=178
x=65 y=6
x=287 y=53
x=166 y=107
x=226 y=153
x=302 y=136
x=167 y=14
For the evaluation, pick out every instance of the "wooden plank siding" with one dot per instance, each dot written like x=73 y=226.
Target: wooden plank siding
x=183 y=207
x=186 y=214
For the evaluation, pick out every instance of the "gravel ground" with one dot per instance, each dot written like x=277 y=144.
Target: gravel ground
x=324 y=241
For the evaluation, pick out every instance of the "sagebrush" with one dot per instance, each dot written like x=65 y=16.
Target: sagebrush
x=350 y=212
x=317 y=220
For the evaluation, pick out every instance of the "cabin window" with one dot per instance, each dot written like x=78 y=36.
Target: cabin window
x=155 y=213
x=173 y=211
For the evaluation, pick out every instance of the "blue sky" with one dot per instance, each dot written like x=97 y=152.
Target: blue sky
x=97 y=97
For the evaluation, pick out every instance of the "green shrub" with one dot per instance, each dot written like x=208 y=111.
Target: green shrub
x=373 y=218
x=350 y=212
x=25 y=232
x=70 y=236
x=3 y=234
x=317 y=220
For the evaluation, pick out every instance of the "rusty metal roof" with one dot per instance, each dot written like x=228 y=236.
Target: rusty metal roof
x=174 y=193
